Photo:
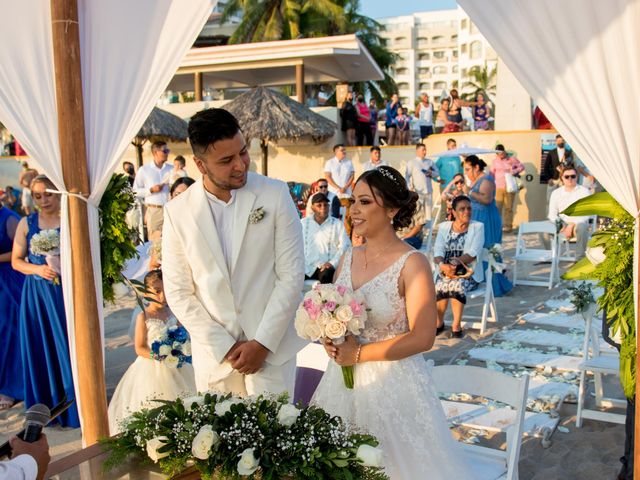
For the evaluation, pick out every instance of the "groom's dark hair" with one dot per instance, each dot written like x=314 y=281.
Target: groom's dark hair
x=209 y=126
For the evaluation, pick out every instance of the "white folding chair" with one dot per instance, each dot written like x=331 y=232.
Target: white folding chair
x=598 y=364
x=484 y=291
x=496 y=386
x=525 y=254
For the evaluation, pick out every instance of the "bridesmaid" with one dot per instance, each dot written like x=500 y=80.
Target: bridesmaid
x=11 y=386
x=43 y=325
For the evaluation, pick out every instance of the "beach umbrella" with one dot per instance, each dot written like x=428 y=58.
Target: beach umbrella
x=160 y=125
x=271 y=116
x=463 y=150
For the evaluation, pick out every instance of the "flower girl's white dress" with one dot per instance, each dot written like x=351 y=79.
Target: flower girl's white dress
x=146 y=380
x=394 y=400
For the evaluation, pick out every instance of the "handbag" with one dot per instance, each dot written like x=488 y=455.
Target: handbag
x=511 y=183
x=462 y=271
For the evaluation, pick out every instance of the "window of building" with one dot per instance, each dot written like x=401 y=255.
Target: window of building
x=463 y=24
x=439 y=70
x=454 y=38
x=454 y=53
x=423 y=40
x=440 y=86
x=403 y=86
x=424 y=56
x=423 y=71
x=475 y=50
x=437 y=39
x=463 y=48
x=439 y=54
x=454 y=69
x=464 y=72
x=402 y=71
x=425 y=86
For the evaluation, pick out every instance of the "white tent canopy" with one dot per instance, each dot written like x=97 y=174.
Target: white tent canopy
x=129 y=53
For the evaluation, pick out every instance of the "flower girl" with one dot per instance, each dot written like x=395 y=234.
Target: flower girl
x=162 y=370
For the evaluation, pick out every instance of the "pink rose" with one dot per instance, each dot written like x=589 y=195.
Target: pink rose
x=356 y=308
x=341 y=289
x=330 y=306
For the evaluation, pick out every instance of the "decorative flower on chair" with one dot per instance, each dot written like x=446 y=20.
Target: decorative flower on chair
x=256 y=215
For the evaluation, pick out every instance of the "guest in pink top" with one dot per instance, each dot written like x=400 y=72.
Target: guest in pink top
x=363 y=128
x=501 y=165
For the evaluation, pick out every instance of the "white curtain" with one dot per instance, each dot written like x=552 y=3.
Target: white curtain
x=129 y=53
x=580 y=60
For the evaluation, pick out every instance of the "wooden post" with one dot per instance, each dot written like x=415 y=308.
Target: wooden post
x=300 y=82
x=73 y=154
x=197 y=85
x=636 y=426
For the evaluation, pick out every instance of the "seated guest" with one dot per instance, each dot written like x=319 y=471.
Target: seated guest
x=561 y=198
x=322 y=186
x=325 y=240
x=180 y=186
x=458 y=244
x=413 y=233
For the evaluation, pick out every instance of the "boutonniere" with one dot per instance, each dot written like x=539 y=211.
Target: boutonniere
x=256 y=215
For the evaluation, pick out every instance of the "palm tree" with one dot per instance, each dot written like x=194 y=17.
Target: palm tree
x=482 y=79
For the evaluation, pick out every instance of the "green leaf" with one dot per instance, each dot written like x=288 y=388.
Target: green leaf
x=583 y=269
x=602 y=204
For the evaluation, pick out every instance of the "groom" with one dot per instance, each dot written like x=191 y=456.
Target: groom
x=233 y=265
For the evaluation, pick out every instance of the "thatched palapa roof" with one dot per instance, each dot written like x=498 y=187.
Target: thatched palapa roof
x=271 y=116
x=165 y=126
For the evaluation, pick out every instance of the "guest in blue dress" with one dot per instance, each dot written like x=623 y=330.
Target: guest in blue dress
x=43 y=325
x=11 y=386
x=484 y=209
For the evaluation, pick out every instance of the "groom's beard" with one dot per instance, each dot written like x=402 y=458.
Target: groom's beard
x=227 y=185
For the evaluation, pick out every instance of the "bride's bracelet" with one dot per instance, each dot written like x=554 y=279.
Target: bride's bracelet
x=358 y=353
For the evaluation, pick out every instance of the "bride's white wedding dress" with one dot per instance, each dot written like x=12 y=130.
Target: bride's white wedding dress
x=146 y=380
x=394 y=400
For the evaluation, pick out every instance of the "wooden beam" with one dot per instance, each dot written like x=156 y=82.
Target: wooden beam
x=300 y=82
x=197 y=86
x=71 y=134
x=636 y=426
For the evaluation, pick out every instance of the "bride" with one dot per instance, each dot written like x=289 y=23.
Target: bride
x=394 y=397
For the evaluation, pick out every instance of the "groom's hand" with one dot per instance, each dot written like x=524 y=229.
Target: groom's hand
x=248 y=357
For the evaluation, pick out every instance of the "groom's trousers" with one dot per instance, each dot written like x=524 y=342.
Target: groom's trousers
x=271 y=379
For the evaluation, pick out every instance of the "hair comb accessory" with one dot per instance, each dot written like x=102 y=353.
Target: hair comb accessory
x=387 y=174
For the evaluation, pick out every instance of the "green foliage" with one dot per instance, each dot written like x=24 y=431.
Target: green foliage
x=615 y=274
x=315 y=446
x=116 y=237
x=482 y=79
x=581 y=296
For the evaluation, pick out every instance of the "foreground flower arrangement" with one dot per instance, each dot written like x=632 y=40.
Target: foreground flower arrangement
x=225 y=437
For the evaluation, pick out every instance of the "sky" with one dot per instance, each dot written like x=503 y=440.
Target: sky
x=380 y=8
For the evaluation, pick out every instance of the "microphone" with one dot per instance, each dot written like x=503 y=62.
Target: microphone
x=35 y=419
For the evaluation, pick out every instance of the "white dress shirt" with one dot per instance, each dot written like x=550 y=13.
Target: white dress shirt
x=340 y=171
x=561 y=198
x=22 y=467
x=149 y=175
x=325 y=242
x=417 y=180
x=370 y=166
x=224 y=219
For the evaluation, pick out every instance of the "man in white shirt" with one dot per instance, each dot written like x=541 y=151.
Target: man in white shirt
x=29 y=461
x=325 y=240
x=152 y=184
x=561 y=198
x=420 y=172
x=374 y=159
x=339 y=172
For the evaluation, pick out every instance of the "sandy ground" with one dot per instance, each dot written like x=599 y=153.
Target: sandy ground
x=588 y=453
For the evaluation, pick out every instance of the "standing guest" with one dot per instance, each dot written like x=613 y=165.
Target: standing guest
x=480 y=113
x=11 y=383
x=502 y=165
x=403 y=125
x=373 y=123
x=454 y=189
x=178 y=169
x=412 y=234
x=561 y=198
x=322 y=186
x=349 y=117
x=9 y=198
x=152 y=184
x=455 y=111
x=26 y=177
x=424 y=113
x=391 y=113
x=442 y=119
x=363 y=128
x=555 y=161
x=130 y=171
x=180 y=186
x=458 y=244
x=450 y=165
x=43 y=325
x=339 y=172
x=419 y=174
x=325 y=240
x=375 y=159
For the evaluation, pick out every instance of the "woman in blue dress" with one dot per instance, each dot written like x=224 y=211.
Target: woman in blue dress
x=484 y=209
x=11 y=386
x=43 y=325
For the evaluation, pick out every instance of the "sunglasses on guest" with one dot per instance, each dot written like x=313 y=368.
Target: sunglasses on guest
x=459 y=182
x=570 y=176
x=323 y=186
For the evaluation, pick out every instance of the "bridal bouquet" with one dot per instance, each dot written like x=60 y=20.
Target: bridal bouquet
x=172 y=347
x=47 y=243
x=264 y=437
x=333 y=312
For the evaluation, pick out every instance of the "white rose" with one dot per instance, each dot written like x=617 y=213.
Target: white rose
x=370 y=456
x=248 y=463
x=203 y=441
x=314 y=296
x=332 y=296
x=189 y=401
x=324 y=319
x=171 y=361
x=595 y=255
x=225 y=406
x=176 y=346
x=344 y=313
x=347 y=298
x=312 y=332
x=288 y=414
x=355 y=325
x=335 y=329
x=164 y=350
x=186 y=348
x=154 y=445
x=301 y=321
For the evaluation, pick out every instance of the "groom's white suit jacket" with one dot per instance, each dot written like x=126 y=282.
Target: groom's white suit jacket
x=258 y=298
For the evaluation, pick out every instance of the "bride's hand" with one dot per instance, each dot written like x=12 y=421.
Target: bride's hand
x=329 y=347
x=347 y=352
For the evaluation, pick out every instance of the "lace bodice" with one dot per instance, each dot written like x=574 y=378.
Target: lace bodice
x=157 y=326
x=387 y=313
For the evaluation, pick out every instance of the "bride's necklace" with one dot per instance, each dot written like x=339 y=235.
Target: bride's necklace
x=366 y=263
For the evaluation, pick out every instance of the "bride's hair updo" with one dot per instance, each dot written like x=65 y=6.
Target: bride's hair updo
x=388 y=185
